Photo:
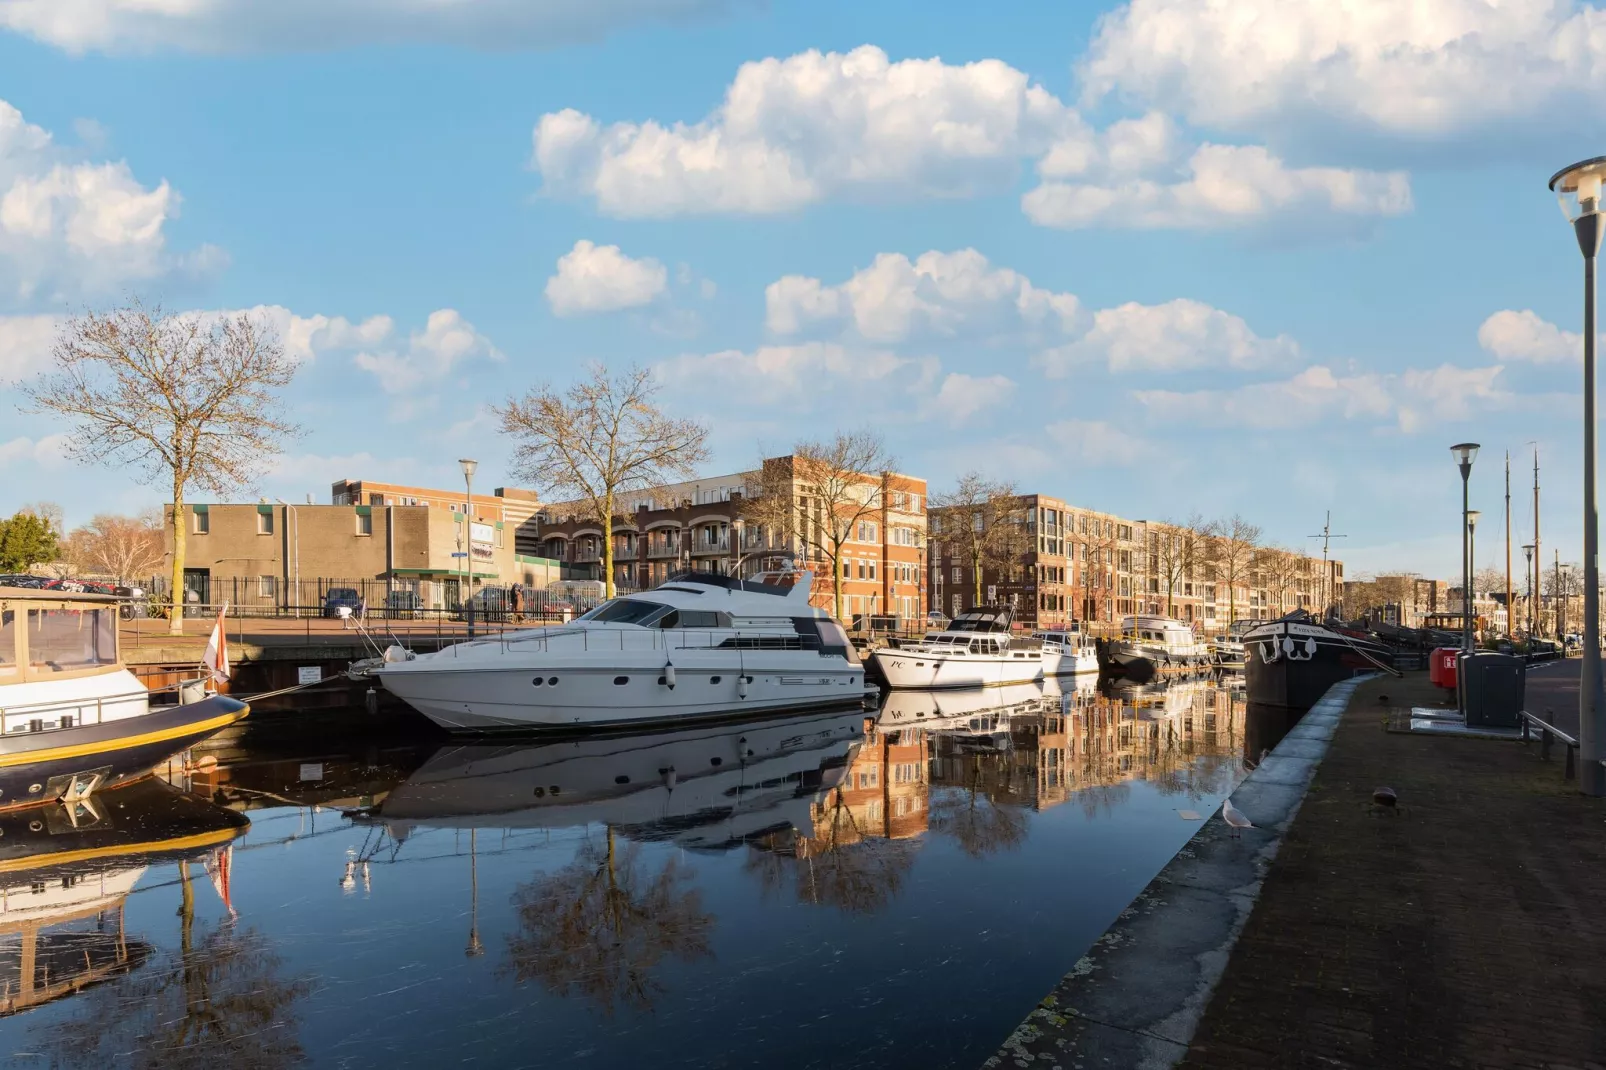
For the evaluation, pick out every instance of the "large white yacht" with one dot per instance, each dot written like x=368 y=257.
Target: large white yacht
x=699 y=646
x=975 y=650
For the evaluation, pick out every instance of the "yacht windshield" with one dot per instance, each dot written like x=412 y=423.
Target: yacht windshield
x=626 y=611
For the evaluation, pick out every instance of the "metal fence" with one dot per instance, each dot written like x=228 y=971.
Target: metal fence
x=334 y=598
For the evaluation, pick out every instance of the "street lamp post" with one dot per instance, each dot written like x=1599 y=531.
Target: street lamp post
x=468 y=465
x=1578 y=188
x=290 y=522
x=1528 y=553
x=1465 y=453
x=1472 y=560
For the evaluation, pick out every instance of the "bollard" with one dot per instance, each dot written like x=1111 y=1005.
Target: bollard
x=1544 y=744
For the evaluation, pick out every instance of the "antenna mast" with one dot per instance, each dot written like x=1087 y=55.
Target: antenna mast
x=1326 y=536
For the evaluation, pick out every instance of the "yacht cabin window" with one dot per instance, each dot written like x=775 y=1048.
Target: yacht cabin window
x=626 y=611
x=8 y=643
x=66 y=640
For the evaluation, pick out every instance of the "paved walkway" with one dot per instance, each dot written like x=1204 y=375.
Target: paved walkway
x=1470 y=932
x=1553 y=686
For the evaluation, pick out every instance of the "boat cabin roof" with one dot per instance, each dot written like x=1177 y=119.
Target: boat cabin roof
x=982 y=619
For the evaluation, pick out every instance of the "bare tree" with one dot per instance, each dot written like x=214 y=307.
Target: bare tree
x=985 y=523
x=120 y=547
x=1234 y=542
x=1179 y=548
x=184 y=401
x=605 y=437
x=818 y=498
x=48 y=511
x=1098 y=566
x=602 y=925
x=1562 y=583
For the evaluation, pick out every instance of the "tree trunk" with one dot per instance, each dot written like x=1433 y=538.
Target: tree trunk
x=607 y=546
x=175 y=617
x=975 y=572
x=836 y=580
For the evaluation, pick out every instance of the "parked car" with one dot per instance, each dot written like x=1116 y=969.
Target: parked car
x=336 y=597
x=403 y=605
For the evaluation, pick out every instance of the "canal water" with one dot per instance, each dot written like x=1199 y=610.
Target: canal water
x=887 y=890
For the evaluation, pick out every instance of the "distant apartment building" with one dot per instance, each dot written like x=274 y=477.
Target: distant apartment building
x=512 y=506
x=281 y=555
x=1084 y=566
x=704 y=524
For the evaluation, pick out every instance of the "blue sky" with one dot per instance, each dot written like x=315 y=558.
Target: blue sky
x=1159 y=257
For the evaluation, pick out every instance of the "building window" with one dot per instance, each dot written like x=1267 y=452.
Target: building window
x=872 y=570
x=365 y=523
x=867 y=531
x=203 y=523
x=958 y=576
x=264 y=523
x=630 y=543
x=847 y=570
x=268 y=586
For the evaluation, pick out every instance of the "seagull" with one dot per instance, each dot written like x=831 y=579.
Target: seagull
x=1234 y=817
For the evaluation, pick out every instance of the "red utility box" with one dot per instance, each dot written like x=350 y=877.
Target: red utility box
x=1441 y=667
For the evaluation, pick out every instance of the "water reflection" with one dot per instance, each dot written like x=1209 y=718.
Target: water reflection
x=68 y=874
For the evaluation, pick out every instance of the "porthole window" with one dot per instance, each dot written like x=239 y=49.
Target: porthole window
x=621 y=779
x=552 y=681
x=713 y=679
x=538 y=681
x=618 y=680
x=716 y=761
x=663 y=680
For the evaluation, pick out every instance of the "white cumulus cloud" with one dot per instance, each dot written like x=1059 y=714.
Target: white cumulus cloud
x=1178 y=335
x=1411 y=399
x=1524 y=336
x=25 y=344
x=600 y=278
x=797 y=130
x=428 y=355
x=1417 y=68
x=71 y=229
x=47 y=452
x=311 y=25
x=937 y=293
x=961 y=397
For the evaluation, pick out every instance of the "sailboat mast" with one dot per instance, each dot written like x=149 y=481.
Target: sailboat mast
x=1539 y=558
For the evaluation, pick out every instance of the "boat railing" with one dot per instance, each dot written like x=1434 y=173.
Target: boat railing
x=632 y=640
x=30 y=716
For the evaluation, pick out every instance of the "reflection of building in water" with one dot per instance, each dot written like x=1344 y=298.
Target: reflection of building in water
x=883 y=794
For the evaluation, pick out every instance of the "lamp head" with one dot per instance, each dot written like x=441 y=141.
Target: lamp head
x=1578 y=186
x=1472 y=517
x=1528 y=550
x=468 y=465
x=1465 y=452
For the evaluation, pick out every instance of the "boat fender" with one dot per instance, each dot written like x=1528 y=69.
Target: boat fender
x=670 y=778
x=396 y=652
x=741 y=687
x=669 y=676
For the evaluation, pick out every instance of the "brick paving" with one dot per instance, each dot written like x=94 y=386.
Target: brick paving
x=1469 y=932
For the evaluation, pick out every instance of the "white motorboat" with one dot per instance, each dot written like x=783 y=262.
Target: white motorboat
x=976 y=649
x=698 y=647
x=1155 y=644
x=1067 y=653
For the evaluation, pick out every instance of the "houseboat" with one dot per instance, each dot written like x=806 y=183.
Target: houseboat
x=73 y=719
x=1292 y=661
x=1150 y=645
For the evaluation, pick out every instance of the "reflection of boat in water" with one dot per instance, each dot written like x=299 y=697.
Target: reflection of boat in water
x=937 y=710
x=73 y=720
x=703 y=787
x=1161 y=698
x=65 y=873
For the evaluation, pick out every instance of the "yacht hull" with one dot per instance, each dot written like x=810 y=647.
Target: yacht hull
x=627 y=693
x=1069 y=664
x=926 y=671
x=37 y=767
x=1292 y=666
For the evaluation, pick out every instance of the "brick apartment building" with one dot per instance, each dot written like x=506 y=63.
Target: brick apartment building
x=1084 y=566
x=703 y=524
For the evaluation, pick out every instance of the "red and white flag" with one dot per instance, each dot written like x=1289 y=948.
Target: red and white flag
x=216 y=657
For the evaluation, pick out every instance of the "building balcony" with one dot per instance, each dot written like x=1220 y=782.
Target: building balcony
x=657 y=552
x=707 y=549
